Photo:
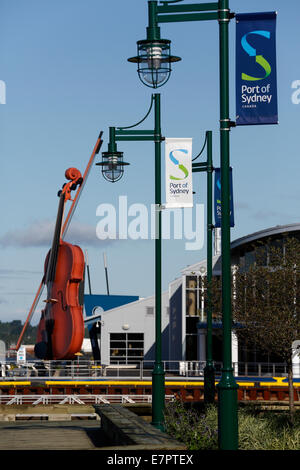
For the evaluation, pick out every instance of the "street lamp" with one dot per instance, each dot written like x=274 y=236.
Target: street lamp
x=154 y=61
x=154 y=57
x=167 y=12
x=154 y=135
x=209 y=370
x=112 y=164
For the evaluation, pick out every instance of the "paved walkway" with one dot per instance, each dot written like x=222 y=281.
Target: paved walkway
x=51 y=435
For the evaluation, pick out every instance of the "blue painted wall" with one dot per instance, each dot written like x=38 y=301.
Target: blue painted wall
x=107 y=302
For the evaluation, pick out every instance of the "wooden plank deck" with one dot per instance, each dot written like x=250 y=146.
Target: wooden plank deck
x=51 y=435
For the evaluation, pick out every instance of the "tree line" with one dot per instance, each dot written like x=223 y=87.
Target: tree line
x=10 y=332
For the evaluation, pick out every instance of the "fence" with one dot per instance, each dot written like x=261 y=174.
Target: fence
x=82 y=399
x=81 y=369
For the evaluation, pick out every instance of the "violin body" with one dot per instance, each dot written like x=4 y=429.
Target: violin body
x=66 y=325
x=61 y=328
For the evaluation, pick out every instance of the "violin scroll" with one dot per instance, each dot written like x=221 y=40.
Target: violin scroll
x=75 y=178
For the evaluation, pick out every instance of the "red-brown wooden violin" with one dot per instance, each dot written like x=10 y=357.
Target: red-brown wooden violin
x=64 y=229
x=61 y=327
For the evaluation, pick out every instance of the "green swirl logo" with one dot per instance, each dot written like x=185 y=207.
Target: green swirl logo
x=180 y=166
x=259 y=59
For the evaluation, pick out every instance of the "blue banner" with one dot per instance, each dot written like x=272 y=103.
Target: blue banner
x=256 y=77
x=218 y=201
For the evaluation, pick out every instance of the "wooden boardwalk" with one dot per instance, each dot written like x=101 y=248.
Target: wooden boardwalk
x=51 y=435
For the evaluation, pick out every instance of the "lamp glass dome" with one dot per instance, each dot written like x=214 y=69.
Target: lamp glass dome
x=112 y=166
x=154 y=61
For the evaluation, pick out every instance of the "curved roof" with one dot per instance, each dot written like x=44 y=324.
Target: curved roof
x=242 y=242
x=266 y=233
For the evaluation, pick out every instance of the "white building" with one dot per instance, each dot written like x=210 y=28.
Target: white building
x=128 y=331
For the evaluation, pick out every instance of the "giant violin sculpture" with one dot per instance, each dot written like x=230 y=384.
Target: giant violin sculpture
x=61 y=328
x=63 y=233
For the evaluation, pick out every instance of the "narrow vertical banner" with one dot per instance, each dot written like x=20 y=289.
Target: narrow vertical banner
x=256 y=75
x=218 y=202
x=179 y=183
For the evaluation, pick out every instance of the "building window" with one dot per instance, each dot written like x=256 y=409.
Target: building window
x=249 y=259
x=149 y=310
x=126 y=348
x=195 y=311
x=195 y=297
x=191 y=347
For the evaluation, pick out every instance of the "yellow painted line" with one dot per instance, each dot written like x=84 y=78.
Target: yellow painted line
x=275 y=384
x=94 y=382
x=279 y=382
x=123 y=382
x=114 y=382
x=185 y=383
x=248 y=384
x=15 y=383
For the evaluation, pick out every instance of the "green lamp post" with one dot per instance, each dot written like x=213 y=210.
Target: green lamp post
x=112 y=168
x=169 y=12
x=209 y=370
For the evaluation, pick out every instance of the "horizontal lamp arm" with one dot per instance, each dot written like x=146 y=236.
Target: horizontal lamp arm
x=199 y=170
x=199 y=165
x=136 y=132
x=187 y=17
x=135 y=137
x=187 y=8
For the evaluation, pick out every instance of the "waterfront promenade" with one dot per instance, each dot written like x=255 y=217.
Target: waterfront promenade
x=51 y=435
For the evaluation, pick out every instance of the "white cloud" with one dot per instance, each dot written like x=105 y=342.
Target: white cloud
x=40 y=234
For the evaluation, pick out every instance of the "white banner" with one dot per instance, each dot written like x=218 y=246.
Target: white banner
x=179 y=182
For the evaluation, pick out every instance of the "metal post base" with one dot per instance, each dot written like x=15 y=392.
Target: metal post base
x=209 y=384
x=228 y=412
x=158 y=397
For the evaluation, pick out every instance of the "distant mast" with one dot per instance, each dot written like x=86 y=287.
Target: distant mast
x=106 y=275
x=88 y=271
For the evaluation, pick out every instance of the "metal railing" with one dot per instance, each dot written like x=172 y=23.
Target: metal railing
x=140 y=370
x=82 y=399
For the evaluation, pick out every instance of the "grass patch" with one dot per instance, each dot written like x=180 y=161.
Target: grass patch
x=198 y=429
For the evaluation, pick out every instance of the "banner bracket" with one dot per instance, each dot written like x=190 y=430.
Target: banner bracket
x=228 y=15
x=229 y=124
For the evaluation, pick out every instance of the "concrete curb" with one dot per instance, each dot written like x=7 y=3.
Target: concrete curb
x=128 y=431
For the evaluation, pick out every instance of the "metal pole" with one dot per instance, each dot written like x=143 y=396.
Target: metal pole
x=227 y=387
x=88 y=271
x=106 y=275
x=158 y=375
x=209 y=371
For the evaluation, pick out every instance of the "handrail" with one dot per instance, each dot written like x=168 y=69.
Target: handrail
x=81 y=399
x=81 y=369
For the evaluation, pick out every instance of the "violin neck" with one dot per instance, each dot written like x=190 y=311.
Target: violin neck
x=55 y=242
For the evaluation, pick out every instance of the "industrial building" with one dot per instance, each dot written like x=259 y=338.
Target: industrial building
x=125 y=326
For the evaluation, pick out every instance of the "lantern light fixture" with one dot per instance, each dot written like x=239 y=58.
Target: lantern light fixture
x=112 y=161
x=154 y=61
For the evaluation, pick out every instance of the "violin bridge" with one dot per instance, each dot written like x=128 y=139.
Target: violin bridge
x=51 y=301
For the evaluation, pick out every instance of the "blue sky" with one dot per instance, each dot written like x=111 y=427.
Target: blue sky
x=64 y=63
